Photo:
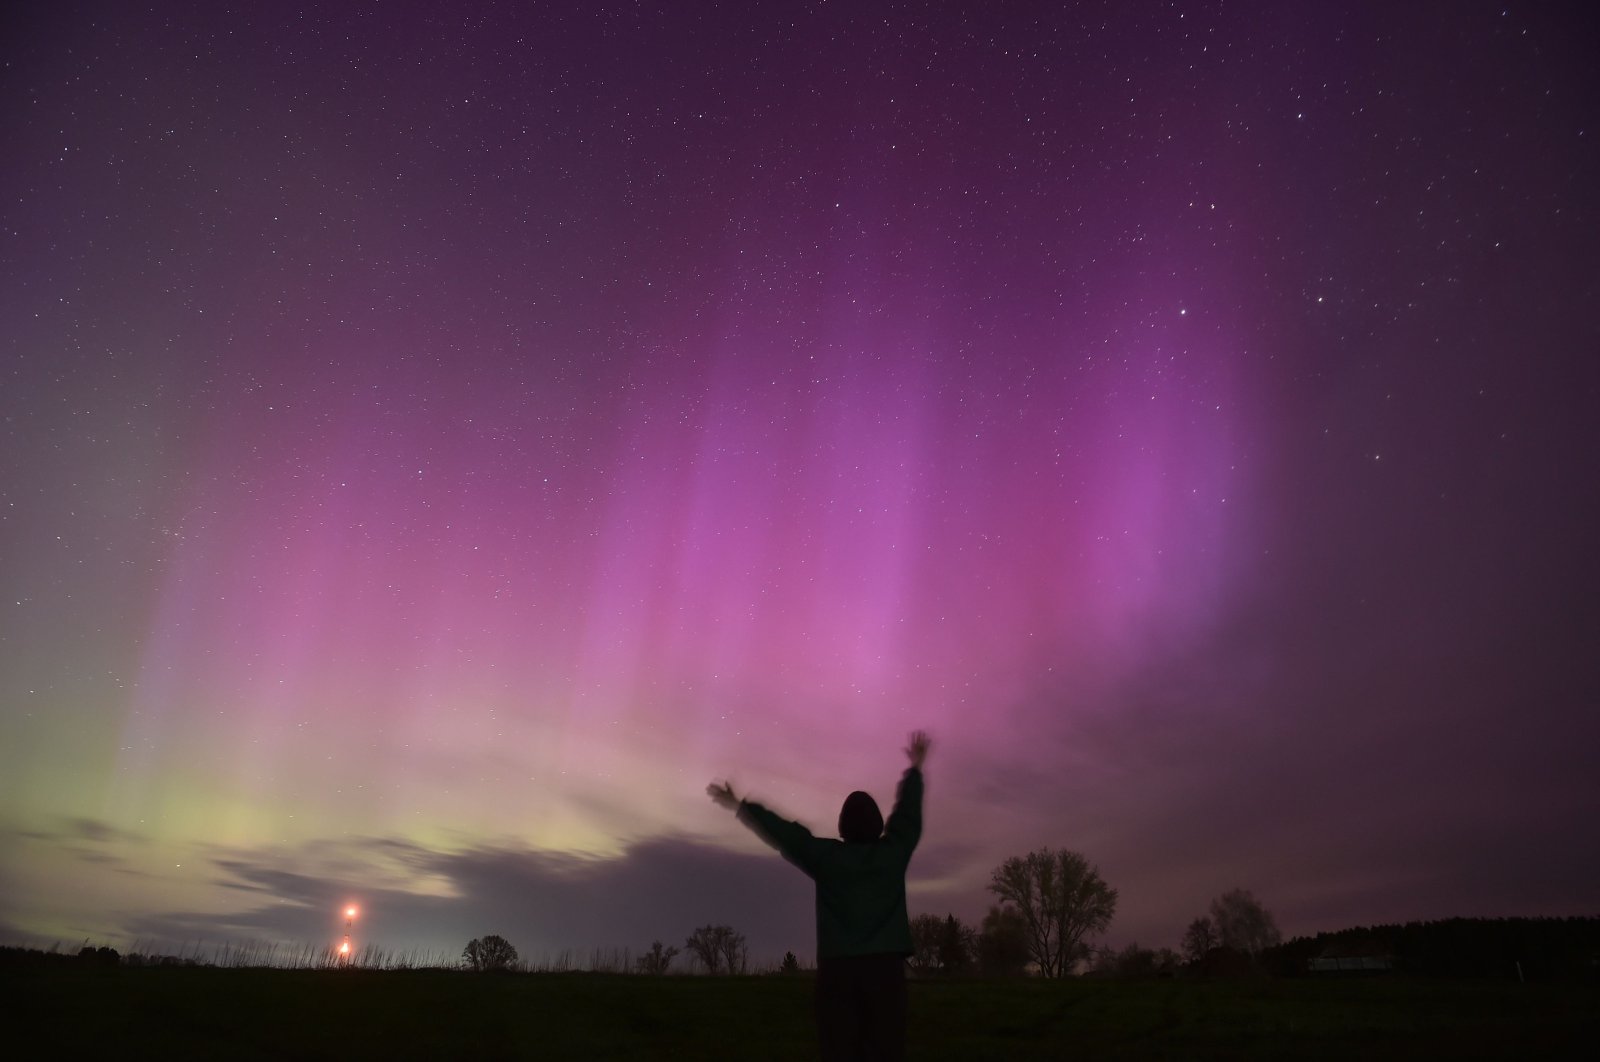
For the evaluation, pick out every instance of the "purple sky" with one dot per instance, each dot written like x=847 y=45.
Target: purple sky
x=437 y=444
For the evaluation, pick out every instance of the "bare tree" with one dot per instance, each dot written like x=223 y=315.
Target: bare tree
x=1199 y=939
x=705 y=944
x=734 y=952
x=489 y=954
x=1242 y=923
x=1061 y=898
x=718 y=948
x=656 y=960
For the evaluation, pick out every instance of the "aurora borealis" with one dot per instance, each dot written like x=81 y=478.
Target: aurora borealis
x=439 y=441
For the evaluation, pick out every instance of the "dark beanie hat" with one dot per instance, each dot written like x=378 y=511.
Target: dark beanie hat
x=860 y=819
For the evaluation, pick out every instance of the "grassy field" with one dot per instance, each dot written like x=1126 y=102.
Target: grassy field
x=235 y=1015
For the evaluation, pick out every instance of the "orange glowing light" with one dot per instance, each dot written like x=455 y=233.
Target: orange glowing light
x=344 y=949
x=350 y=912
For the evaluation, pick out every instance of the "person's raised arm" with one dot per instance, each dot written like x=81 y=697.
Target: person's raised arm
x=792 y=840
x=905 y=821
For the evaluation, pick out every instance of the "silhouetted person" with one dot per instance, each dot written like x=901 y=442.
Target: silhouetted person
x=863 y=932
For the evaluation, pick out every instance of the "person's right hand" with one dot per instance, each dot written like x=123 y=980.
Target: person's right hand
x=723 y=795
x=917 y=751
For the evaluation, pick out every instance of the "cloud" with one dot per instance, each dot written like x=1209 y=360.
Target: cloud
x=69 y=830
x=100 y=832
x=541 y=901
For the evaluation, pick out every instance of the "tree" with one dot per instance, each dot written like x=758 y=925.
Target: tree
x=941 y=944
x=1199 y=939
x=489 y=954
x=1061 y=898
x=734 y=952
x=101 y=956
x=718 y=948
x=925 y=932
x=1002 y=943
x=1243 y=924
x=656 y=960
x=791 y=965
x=705 y=944
x=957 y=945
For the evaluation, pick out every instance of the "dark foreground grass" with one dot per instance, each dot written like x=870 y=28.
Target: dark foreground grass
x=239 y=1015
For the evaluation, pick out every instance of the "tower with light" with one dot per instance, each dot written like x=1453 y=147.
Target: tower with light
x=349 y=920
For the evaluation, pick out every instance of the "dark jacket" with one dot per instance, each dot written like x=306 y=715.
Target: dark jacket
x=861 y=888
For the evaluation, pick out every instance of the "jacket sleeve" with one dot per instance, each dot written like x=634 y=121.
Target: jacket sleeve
x=905 y=821
x=792 y=840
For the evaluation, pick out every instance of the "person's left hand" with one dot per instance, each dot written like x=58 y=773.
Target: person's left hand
x=723 y=794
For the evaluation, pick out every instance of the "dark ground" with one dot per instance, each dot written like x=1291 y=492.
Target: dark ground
x=234 y=1015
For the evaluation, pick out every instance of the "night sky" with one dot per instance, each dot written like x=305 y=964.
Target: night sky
x=440 y=439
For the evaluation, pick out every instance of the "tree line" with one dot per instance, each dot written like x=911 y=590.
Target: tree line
x=717 y=949
x=1526 y=948
x=1051 y=905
